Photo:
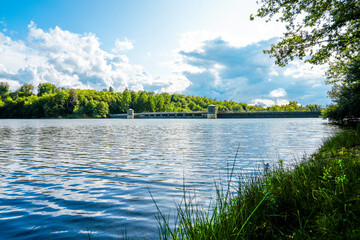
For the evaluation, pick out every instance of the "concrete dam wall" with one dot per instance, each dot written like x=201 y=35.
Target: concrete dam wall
x=212 y=113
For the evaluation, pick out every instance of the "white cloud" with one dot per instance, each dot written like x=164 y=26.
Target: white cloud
x=299 y=70
x=269 y=102
x=206 y=63
x=281 y=102
x=13 y=85
x=316 y=85
x=15 y=54
x=280 y=92
x=72 y=60
x=263 y=102
x=194 y=41
x=178 y=83
x=220 y=66
x=121 y=46
x=274 y=73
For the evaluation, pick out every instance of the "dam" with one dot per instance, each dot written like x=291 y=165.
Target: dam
x=212 y=113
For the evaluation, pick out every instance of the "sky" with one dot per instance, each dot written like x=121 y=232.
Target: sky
x=193 y=47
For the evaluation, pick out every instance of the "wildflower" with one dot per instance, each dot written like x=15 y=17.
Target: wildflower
x=266 y=166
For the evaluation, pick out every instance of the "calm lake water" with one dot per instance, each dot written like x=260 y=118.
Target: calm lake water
x=65 y=179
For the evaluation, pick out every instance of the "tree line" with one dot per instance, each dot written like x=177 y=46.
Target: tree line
x=53 y=102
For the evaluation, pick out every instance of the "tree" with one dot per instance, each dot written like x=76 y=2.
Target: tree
x=346 y=94
x=125 y=100
x=134 y=99
x=25 y=90
x=4 y=89
x=324 y=31
x=314 y=107
x=151 y=107
x=115 y=104
x=71 y=101
x=102 y=109
x=46 y=88
x=142 y=100
x=160 y=103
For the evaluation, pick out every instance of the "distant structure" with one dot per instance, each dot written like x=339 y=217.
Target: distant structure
x=130 y=114
x=212 y=113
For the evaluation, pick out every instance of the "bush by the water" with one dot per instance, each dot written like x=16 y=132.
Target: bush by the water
x=346 y=94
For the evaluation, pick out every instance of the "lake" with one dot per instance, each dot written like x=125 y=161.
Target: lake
x=70 y=178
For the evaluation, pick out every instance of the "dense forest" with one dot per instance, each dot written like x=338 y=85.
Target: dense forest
x=53 y=102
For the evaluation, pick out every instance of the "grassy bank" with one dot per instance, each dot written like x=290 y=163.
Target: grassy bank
x=318 y=199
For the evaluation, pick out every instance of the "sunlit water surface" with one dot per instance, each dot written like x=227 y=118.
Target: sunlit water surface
x=70 y=179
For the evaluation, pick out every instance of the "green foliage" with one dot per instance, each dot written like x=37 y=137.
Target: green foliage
x=4 y=89
x=46 y=88
x=346 y=94
x=314 y=107
x=25 y=90
x=52 y=101
x=71 y=102
x=317 y=31
x=318 y=199
x=142 y=100
x=347 y=101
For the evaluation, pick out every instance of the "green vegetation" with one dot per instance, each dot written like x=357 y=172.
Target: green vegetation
x=346 y=95
x=53 y=102
x=319 y=32
x=318 y=199
x=325 y=31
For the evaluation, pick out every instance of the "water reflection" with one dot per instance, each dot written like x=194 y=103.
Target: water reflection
x=66 y=178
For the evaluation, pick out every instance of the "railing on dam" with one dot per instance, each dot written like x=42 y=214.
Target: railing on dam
x=303 y=114
x=213 y=114
x=197 y=114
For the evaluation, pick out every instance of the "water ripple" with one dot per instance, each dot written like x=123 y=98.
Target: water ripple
x=66 y=179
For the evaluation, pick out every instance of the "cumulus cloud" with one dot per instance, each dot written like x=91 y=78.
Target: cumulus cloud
x=121 y=46
x=72 y=60
x=280 y=92
x=269 y=102
x=316 y=85
x=305 y=71
x=208 y=64
x=220 y=67
x=282 y=102
x=263 y=102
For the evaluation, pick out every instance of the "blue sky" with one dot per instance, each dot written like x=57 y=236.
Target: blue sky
x=197 y=47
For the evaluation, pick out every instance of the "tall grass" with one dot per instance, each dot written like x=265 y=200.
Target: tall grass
x=318 y=199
